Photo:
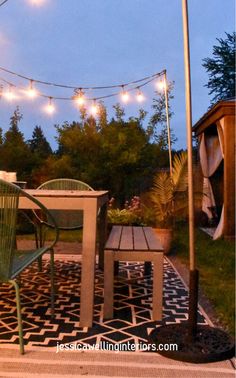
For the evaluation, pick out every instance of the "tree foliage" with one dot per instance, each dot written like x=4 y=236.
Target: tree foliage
x=221 y=69
x=119 y=155
x=15 y=154
x=169 y=194
x=116 y=154
x=157 y=127
x=39 y=144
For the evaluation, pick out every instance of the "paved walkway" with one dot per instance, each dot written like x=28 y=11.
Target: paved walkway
x=47 y=363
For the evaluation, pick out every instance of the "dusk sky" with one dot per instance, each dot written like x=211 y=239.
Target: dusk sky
x=106 y=42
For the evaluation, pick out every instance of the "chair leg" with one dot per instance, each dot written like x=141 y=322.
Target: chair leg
x=19 y=318
x=40 y=264
x=39 y=243
x=52 y=282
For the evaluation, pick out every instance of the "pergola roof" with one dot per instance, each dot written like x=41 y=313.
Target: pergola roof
x=219 y=110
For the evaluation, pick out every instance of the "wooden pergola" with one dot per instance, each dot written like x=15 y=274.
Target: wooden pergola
x=220 y=121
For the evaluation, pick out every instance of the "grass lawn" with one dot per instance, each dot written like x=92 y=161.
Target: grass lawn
x=216 y=264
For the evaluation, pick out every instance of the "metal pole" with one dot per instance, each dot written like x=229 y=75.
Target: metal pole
x=189 y=132
x=168 y=123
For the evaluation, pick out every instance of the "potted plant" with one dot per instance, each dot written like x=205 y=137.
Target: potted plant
x=131 y=214
x=169 y=199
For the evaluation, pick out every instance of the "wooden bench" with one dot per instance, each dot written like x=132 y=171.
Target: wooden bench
x=127 y=243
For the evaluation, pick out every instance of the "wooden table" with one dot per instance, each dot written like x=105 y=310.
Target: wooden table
x=89 y=202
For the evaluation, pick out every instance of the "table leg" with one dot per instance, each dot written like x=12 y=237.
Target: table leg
x=102 y=234
x=88 y=262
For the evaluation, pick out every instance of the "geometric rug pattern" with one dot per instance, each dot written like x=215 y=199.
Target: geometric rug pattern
x=132 y=307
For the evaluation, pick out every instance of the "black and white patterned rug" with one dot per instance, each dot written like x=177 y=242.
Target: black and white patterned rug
x=132 y=317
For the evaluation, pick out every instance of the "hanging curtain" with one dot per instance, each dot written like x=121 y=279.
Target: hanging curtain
x=220 y=228
x=211 y=154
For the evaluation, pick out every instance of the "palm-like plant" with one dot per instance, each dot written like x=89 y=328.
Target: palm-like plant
x=169 y=194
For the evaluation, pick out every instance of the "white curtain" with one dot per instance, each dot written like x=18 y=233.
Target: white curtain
x=211 y=154
x=220 y=228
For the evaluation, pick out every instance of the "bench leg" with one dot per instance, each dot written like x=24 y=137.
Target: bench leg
x=108 y=284
x=157 y=286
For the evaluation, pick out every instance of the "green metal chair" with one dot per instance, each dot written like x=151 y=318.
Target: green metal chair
x=66 y=219
x=13 y=261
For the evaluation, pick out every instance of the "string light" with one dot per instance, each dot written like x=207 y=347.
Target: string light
x=3 y=2
x=94 y=110
x=31 y=92
x=161 y=85
x=140 y=96
x=124 y=95
x=9 y=95
x=36 y=2
x=146 y=79
x=50 y=108
x=80 y=93
x=79 y=98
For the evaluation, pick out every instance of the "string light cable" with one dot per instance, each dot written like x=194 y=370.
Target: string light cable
x=3 y=2
x=76 y=87
x=79 y=92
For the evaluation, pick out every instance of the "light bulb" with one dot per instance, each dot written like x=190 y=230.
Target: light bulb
x=31 y=92
x=9 y=95
x=161 y=85
x=50 y=108
x=80 y=100
x=94 y=109
x=140 y=96
x=36 y=2
x=125 y=96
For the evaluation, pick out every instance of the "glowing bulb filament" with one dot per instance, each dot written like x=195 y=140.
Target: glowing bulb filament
x=31 y=92
x=50 y=108
x=80 y=100
x=94 y=109
x=161 y=85
x=125 y=96
x=140 y=96
x=9 y=95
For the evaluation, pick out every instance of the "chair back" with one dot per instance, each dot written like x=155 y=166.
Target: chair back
x=9 y=198
x=66 y=219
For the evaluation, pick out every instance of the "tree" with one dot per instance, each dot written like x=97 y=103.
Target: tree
x=1 y=138
x=157 y=128
x=116 y=155
x=39 y=144
x=221 y=69
x=15 y=153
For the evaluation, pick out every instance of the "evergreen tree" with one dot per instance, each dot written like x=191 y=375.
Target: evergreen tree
x=39 y=144
x=1 y=137
x=221 y=69
x=15 y=153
